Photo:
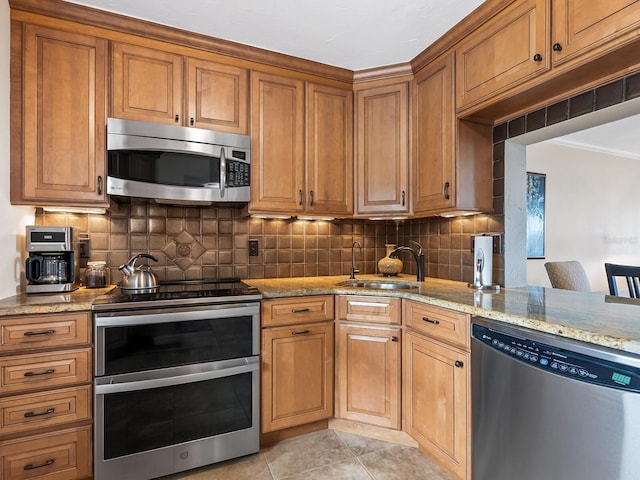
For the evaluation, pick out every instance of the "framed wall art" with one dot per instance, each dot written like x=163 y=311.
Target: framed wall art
x=535 y=214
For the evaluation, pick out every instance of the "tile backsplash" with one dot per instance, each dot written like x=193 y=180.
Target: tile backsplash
x=212 y=242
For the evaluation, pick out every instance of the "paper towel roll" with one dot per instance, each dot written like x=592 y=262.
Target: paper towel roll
x=483 y=249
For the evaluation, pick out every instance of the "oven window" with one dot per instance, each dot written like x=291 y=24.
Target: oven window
x=136 y=348
x=148 y=419
x=165 y=168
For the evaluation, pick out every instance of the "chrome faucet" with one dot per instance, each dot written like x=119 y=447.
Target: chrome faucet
x=418 y=255
x=354 y=270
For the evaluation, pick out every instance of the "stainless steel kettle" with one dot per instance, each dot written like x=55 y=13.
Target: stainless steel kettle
x=140 y=279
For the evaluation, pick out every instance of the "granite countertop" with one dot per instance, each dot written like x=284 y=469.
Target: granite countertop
x=40 y=303
x=591 y=317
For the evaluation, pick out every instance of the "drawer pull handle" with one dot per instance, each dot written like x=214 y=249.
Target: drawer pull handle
x=459 y=364
x=301 y=332
x=31 y=466
x=299 y=310
x=427 y=319
x=48 y=411
x=33 y=334
x=34 y=374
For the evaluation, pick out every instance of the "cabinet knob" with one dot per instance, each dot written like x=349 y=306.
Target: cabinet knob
x=48 y=411
x=300 y=197
x=311 y=198
x=458 y=364
x=299 y=310
x=176 y=118
x=192 y=121
x=99 y=185
x=35 y=374
x=33 y=334
x=394 y=339
x=403 y=198
x=537 y=57
x=557 y=47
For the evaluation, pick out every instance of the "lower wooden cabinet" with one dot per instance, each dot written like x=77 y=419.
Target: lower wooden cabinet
x=297 y=375
x=368 y=374
x=297 y=361
x=46 y=399
x=368 y=358
x=437 y=401
x=60 y=455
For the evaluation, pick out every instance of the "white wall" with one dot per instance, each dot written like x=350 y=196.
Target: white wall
x=591 y=210
x=12 y=219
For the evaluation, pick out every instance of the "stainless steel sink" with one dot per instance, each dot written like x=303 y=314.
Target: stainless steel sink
x=380 y=284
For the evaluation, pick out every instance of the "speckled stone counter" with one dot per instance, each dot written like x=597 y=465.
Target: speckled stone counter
x=591 y=317
x=78 y=300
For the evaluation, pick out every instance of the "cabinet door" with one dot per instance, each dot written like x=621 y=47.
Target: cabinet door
x=503 y=52
x=277 y=144
x=297 y=375
x=580 y=26
x=382 y=146
x=217 y=96
x=368 y=375
x=437 y=401
x=64 y=118
x=434 y=175
x=329 y=171
x=146 y=84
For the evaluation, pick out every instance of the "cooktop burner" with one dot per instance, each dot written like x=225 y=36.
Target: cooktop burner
x=182 y=292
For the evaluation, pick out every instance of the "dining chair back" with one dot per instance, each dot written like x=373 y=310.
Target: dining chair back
x=630 y=273
x=569 y=275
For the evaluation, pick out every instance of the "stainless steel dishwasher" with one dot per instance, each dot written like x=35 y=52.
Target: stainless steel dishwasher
x=552 y=408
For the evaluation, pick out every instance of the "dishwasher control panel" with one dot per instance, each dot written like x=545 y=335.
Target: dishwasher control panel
x=561 y=361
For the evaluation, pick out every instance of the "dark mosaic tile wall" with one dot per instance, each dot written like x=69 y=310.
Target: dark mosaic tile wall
x=193 y=243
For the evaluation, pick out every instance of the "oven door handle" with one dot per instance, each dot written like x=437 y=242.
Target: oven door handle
x=114 y=384
x=147 y=317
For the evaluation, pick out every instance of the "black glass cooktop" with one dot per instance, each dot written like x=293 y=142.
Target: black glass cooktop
x=183 y=292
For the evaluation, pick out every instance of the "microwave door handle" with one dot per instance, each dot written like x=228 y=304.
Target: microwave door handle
x=223 y=172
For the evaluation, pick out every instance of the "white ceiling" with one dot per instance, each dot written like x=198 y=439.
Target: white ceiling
x=352 y=34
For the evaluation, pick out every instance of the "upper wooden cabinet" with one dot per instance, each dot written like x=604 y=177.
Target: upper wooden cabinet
x=277 y=144
x=292 y=176
x=329 y=167
x=452 y=163
x=582 y=27
x=59 y=89
x=530 y=37
x=510 y=48
x=163 y=87
x=382 y=150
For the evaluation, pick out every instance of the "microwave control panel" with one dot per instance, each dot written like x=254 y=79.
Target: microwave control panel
x=238 y=174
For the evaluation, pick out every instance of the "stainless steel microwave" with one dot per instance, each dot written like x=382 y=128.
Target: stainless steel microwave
x=174 y=164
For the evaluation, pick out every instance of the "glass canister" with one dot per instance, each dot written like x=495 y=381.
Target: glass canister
x=95 y=276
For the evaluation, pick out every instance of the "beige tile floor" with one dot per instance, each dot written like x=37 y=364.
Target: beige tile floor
x=323 y=455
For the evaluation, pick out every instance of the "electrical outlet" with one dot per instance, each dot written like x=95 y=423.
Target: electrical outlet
x=253 y=248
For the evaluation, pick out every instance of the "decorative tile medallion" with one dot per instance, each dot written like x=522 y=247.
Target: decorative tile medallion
x=183 y=250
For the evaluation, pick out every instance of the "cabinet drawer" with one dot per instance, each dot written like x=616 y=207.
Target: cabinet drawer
x=441 y=323
x=21 y=413
x=297 y=310
x=369 y=309
x=43 y=331
x=45 y=370
x=64 y=455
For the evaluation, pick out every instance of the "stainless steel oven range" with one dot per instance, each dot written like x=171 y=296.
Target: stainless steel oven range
x=176 y=378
